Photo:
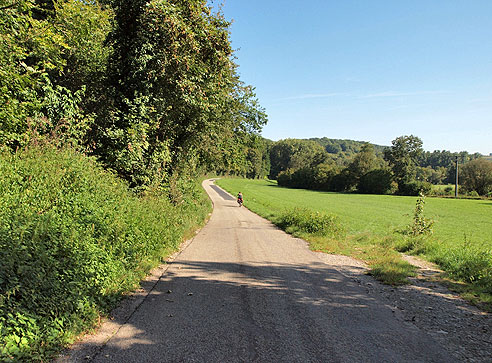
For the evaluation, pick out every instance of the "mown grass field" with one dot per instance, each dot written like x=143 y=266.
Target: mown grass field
x=461 y=242
x=379 y=214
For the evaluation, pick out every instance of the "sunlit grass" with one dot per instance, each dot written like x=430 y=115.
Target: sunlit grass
x=380 y=214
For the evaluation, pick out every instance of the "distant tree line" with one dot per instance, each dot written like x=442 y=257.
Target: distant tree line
x=354 y=166
x=149 y=88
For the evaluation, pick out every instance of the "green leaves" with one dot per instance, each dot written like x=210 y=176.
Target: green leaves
x=295 y=154
x=421 y=225
x=174 y=84
x=149 y=87
x=44 y=66
x=72 y=239
x=476 y=175
x=403 y=158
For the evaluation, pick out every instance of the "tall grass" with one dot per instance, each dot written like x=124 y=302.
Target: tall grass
x=303 y=220
x=72 y=240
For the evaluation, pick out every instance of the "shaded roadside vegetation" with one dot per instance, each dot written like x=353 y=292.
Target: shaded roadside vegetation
x=455 y=234
x=73 y=238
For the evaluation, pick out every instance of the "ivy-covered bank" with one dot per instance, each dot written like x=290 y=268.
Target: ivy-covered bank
x=73 y=239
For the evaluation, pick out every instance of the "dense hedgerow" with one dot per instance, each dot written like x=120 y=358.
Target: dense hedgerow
x=72 y=240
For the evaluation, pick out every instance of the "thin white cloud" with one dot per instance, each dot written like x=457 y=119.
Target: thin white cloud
x=401 y=94
x=312 y=95
x=386 y=94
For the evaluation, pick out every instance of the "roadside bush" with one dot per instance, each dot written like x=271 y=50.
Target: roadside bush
x=341 y=182
x=303 y=178
x=323 y=176
x=442 y=190
x=72 y=239
x=284 y=178
x=307 y=221
x=448 y=190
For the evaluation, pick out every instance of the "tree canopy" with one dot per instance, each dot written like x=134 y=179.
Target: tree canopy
x=476 y=175
x=148 y=87
x=294 y=154
x=403 y=158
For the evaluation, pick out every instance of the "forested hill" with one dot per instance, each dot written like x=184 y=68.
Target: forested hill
x=345 y=149
x=347 y=165
x=335 y=146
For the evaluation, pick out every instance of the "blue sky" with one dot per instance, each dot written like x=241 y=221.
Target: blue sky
x=370 y=70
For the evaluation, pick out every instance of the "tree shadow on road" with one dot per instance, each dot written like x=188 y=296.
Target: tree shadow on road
x=219 y=311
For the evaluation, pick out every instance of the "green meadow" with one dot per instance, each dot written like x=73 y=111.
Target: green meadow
x=461 y=242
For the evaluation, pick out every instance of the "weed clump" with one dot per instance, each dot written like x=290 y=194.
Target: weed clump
x=469 y=263
x=421 y=225
x=416 y=234
x=302 y=220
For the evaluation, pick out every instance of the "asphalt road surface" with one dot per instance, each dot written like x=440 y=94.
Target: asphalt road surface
x=244 y=291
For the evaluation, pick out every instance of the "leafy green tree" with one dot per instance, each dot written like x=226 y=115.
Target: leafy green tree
x=476 y=175
x=39 y=98
x=348 y=147
x=424 y=173
x=295 y=154
x=300 y=178
x=363 y=162
x=84 y=27
x=235 y=147
x=443 y=164
x=149 y=86
x=438 y=175
x=258 y=158
x=324 y=174
x=172 y=80
x=320 y=177
x=28 y=49
x=403 y=158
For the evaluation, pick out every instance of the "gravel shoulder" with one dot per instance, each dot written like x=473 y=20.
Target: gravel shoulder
x=426 y=304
